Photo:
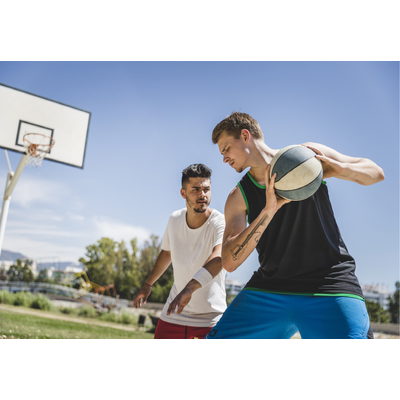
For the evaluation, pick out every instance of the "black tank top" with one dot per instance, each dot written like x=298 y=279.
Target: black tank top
x=302 y=250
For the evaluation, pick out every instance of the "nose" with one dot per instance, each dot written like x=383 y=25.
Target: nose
x=225 y=159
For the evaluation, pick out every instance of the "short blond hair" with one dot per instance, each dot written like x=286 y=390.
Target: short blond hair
x=233 y=125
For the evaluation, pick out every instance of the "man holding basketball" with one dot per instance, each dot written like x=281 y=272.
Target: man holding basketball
x=306 y=280
x=192 y=241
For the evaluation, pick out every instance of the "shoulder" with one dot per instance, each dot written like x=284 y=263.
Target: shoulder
x=235 y=213
x=177 y=215
x=215 y=214
x=235 y=201
x=235 y=196
x=216 y=218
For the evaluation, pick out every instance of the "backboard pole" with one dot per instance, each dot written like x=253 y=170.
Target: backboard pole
x=17 y=174
x=11 y=181
x=4 y=210
x=8 y=161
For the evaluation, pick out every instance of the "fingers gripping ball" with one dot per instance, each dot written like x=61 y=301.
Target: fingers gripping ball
x=298 y=173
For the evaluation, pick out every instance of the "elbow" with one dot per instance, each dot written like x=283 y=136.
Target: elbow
x=378 y=177
x=228 y=266
x=381 y=175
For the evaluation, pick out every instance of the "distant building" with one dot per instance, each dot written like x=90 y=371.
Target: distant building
x=6 y=264
x=378 y=294
x=233 y=286
x=57 y=274
x=32 y=265
x=73 y=269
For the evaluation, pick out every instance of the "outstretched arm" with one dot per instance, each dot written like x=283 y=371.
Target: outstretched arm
x=162 y=263
x=335 y=164
x=213 y=267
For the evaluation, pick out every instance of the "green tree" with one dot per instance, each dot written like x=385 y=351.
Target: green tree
x=148 y=257
x=394 y=305
x=20 y=272
x=376 y=312
x=101 y=261
x=126 y=275
x=110 y=263
x=3 y=274
x=43 y=276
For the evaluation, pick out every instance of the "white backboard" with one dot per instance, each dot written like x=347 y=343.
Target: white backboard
x=22 y=112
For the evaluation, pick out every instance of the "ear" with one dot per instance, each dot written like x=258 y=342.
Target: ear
x=245 y=135
x=183 y=193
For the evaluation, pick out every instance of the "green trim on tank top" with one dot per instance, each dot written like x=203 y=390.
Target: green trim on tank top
x=244 y=197
x=306 y=294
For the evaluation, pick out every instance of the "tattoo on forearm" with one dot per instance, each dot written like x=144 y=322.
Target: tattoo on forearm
x=238 y=250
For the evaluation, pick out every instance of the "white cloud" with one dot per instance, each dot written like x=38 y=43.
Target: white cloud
x=76 y=217
x=32 y=190
x=47 y=232
x=119 y=231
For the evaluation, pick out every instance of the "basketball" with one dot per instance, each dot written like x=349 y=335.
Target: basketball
x=298 y=172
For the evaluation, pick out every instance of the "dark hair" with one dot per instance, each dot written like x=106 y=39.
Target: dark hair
x=195 y=171
x=233 y=125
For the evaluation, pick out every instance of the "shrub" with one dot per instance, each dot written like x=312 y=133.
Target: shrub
x=41 y=302
x=110 y=317
x=6 y=297
x=124 y=317
x=87 y=312
x=67 y=310
x=23 y=299
x=128 y=318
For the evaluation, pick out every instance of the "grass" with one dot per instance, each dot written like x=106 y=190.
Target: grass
x=27 y=299
x=23 y=326
x=15 y=325
x=40 y=302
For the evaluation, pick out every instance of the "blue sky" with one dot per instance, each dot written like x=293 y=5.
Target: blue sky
x=150 y=120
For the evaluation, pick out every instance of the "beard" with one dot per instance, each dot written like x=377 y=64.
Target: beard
x=197 y=210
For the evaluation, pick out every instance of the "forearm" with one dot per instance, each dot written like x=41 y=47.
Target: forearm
x=162 y=263
x=206 y=274
x=364 y=172
x=202 y=278
x=236 y=249
x=335 y=164
x=160 y=266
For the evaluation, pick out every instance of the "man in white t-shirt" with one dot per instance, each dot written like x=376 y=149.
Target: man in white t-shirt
x=192 y=242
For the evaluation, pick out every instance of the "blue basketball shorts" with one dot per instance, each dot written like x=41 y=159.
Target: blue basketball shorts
x=262 y=315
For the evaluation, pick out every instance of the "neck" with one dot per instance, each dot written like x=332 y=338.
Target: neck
x=194 y=219
x=261 y=156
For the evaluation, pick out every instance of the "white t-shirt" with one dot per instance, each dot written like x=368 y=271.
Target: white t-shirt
x=190 y=249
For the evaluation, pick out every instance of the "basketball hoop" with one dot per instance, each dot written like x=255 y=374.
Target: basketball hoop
x=37 y=146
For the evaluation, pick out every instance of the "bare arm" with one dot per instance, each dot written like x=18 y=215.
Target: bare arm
x=335 y=164
x=213 y=265
x=162 y=263
x=240 y=241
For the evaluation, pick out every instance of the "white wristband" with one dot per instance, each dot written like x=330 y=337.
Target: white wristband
x=203 y=277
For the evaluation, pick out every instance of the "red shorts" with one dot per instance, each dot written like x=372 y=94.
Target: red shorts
x=166 y=330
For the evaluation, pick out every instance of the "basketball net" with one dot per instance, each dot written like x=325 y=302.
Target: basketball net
x=37 y=146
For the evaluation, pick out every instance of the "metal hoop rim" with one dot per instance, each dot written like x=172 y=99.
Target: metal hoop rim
x=50 y=145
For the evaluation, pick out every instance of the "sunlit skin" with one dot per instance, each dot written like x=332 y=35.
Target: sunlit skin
x=246 y=152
